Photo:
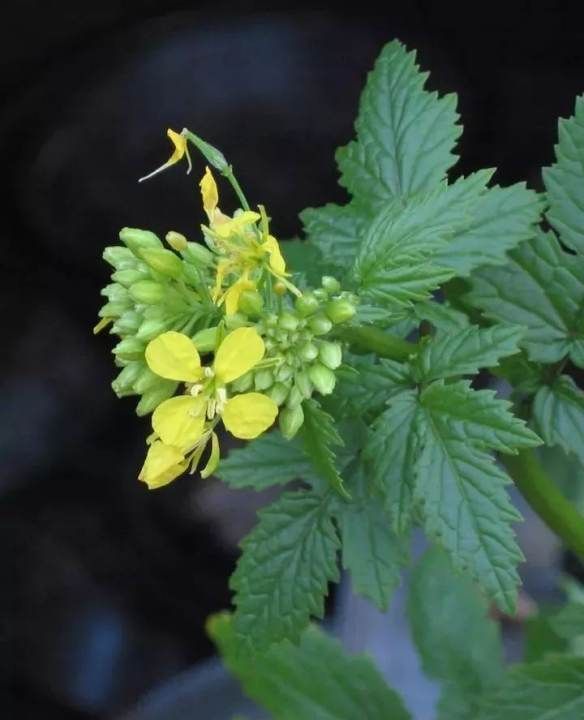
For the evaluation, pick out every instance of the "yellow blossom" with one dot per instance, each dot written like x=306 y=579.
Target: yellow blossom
x=180 y=150
x=163 y=464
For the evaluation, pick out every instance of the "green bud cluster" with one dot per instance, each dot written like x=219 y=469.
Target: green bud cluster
x=153 y=290
x=300 y=359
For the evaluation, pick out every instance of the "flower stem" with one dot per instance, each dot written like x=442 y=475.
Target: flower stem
x=366 y=338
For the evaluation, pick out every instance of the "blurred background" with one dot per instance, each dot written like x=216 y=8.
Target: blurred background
x=105 y=586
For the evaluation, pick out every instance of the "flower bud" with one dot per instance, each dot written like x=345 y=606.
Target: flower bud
x=123 y=384
x=284 y=373
x=153 y=397
x=339 y=311
x=128 y=323
x=263 y=379
x=176 y=240
x=295 y=397
x=116 y=255
x=280 y=288
x=206 y=340
x=114 y=310
x=330 y=284
x=302 y=382
x=287 y=321
x=306 y=304
x=251 y=303
x=213 y=156
x=243 y=383
x=290 y=421
x=129 y=349
x=330 y=354
x=163 y=261
x=237 y=320
x=320 y=325
x=129 y=276
x=137 y=239
x=147 y=292
x=146 y=380
x=198 y=254
x=320 y=294
x=308 y=352
x=322 y=378
x=278 y=393
x=115 y=293
x=149 y=329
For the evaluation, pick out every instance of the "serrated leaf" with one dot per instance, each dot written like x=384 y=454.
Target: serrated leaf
x=390 y=454
x=458 y=643
x=476 y=416
x=281 y=579
x=558 y=412
x=269 y=460
x=320 y=437
x=405 y=135
x=564 y=181
x=314 y=680
x=540 y=638
x=467 y=511
x=500 y=219
x=336 y=230
x=305 y=261
x=542 y=289
x=466 y=351
x=441 y=315
x=372 y=552
x=552 y=689
x=568 y=622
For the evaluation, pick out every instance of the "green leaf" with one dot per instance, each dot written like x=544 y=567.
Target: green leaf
x=405 y=135
x=499 y=220
x=441 y=315
x=314 y=680
x=319 y=436
x=372 y=553
x=551 y=689
x=467 y=511
x=458 y=643
x=269 y=460
x=466 y=351
x=541 y=639
x=390 y=453
x=476 y=416
x=568 y=622
x=542 y=289
x=336 y=230
x=305 y=261
x=558 y=412
x=564 y=181
x=282 y=575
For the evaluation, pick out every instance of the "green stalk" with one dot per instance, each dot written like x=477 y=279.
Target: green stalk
x=366 y=338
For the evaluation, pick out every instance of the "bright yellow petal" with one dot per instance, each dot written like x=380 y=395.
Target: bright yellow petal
x=241 y=350
x=174 y=356
x=209 y=193
x=277 y=262
x=180 y=146
x=249 y=415
x=231 y=297
x=236 y=224
x=180 y=421
x=213 y=460
x=163 y=464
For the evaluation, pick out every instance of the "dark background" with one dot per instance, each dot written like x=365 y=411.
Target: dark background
x=105 y=586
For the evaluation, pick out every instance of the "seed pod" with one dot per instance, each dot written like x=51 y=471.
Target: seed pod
x=278 y=393
x=287 y=321
x=198 y=254
x=163 y=261
x=330 y=354
x=149 y=329
x=147 y=292
x=251 y=303
x=306 y=305
x=308 y=352
x=330 y=284
x=137 y=239
x=320 y=325
x=206 y=340
x=176 y=240
x=290 y=421
x=152 y=398
x=322 y=378
x=129 y=349
x=263 y=379
x=339 y=311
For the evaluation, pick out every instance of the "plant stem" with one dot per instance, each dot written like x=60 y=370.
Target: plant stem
x=533 y=482
x=545 y=498
x=365 y=338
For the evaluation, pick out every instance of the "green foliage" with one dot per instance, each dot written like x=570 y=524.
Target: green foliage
x=558 y=412
x=314 y=679
x=336 y=231
x=458 y=643
x=568 y=623
x=284 y=570
x=552 y=689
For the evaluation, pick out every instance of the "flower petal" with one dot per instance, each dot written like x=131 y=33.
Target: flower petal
x=235 y=224
x=213 y=460
x=241 y=350
x=249 y=415
x=277 y=262
x=231 y=296
x=174 y=356
x=180 y=146
x=163 y=464
x=180 y=421
x=209 y=193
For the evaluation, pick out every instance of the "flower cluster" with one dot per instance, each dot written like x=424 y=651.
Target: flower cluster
x=232 y=300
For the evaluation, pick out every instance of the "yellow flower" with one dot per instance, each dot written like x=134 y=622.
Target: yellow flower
x=184 y=423
x=180 y=150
